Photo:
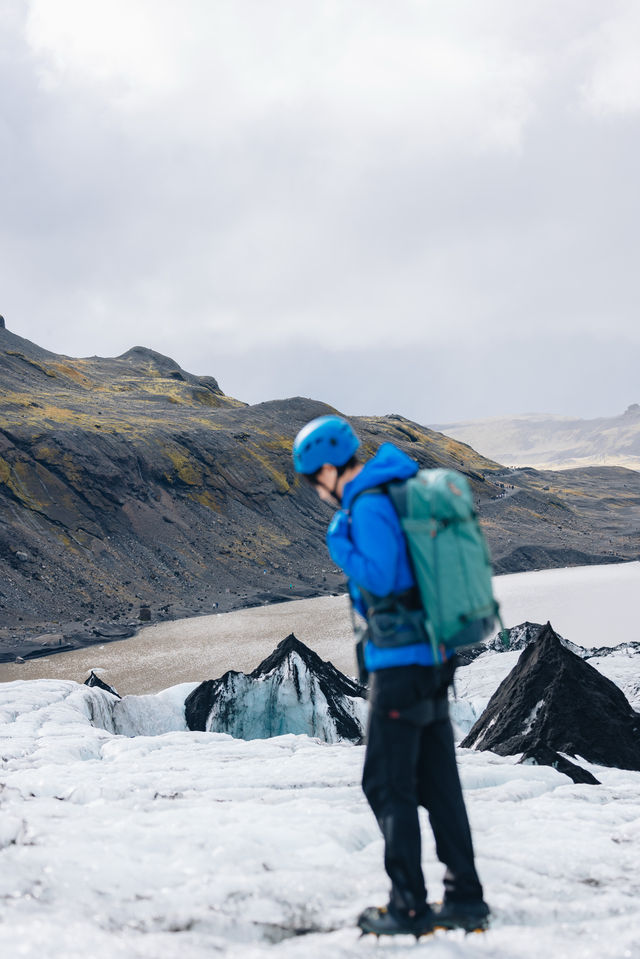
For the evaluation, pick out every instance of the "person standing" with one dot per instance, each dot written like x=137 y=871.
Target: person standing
x=410 y=754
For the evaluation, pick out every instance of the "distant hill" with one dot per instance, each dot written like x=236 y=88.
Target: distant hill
x=129 y=483
x=554 y=442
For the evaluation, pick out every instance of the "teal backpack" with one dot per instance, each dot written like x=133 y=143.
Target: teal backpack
x=449 y=556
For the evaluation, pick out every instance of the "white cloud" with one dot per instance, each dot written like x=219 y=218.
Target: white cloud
x=351 y=171
x=120 y=44
x=614 y=84
x=362 y=67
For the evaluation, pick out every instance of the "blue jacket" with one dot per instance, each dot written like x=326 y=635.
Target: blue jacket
x=370 y=547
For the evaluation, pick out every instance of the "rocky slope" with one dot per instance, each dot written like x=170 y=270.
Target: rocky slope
x=130 y=489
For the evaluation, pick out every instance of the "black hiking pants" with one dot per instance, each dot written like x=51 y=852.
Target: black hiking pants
x=410 y=761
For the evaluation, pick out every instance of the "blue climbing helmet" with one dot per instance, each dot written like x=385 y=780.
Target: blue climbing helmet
x=327 y=439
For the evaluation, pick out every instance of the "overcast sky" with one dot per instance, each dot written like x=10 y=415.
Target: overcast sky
x=429 y=208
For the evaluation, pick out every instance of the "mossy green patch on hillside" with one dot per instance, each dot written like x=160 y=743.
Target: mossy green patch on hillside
x=5 y=471
x=19 y=479
x=204 y=397
x=64 y=461
x=278 y=444
x=72 y=373
x=206 y=498
x=276 y=475
x=185 y=467
x=31 y=362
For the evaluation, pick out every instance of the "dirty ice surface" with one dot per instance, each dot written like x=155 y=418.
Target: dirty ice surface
x=136 y=838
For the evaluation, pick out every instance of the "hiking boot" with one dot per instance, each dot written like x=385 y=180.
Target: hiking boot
x=470 y=915
x=380 y=921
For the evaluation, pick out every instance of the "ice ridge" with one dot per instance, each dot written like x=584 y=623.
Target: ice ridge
x=291 y=691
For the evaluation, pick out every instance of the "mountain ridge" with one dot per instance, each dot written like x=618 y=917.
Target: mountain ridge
x=130 y=485
x=545 y=441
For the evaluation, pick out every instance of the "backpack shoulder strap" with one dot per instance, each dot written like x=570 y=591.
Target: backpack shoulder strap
x=396 y=490
x=398 y=494
x=365 y=492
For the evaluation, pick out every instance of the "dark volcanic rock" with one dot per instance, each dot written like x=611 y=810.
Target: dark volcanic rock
x=129 y=483
x=543 y=755
x=94 y=680
x=291 y=691
x=115 y=630
x=554 y=700
x=539 y=556
x=18 y=651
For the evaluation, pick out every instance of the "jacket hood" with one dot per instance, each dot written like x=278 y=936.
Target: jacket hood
x=388 y=464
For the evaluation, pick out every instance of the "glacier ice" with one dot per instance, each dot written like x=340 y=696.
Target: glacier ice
x=291 y=691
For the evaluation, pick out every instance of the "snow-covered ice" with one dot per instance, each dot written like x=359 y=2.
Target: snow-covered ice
x=124 y=835
x=589 y=605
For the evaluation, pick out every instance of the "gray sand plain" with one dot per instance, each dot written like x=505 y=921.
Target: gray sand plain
x=202 y=647
x=590 y=605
